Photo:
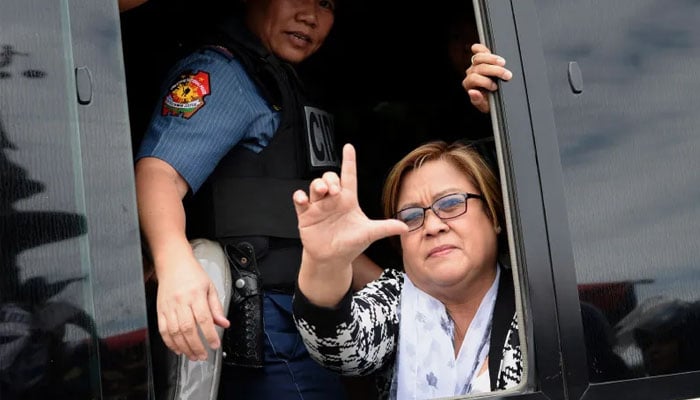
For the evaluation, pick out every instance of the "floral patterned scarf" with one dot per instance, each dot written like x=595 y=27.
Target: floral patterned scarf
x=425 y=363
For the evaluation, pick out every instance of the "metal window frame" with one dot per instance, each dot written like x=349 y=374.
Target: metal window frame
x=525 y=114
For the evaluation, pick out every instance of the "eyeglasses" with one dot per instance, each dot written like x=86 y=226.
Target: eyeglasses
x=446 y=207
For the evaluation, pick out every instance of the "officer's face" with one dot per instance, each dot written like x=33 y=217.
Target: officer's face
x=291 y=29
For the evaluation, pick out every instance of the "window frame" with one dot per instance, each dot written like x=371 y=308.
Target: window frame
x=529 y=248
x=105 y=148
x=92 y=74
x=533 y=152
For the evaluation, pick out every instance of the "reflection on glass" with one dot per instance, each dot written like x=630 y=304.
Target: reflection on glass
x=666 y=332
x=628 y=147
x=34 y=358
x=65 y=225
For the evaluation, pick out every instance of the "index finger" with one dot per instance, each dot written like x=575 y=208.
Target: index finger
x=190 y=332
x=348 y=169
x=205 y=320
x=480 y=48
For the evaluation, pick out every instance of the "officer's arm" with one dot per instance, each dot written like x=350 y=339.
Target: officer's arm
x=160 y=190
x=186 y=295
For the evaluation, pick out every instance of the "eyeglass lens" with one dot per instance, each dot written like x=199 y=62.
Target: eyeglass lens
x=450 y=206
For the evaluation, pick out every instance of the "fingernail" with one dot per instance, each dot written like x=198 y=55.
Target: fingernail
x=507 y=75
x=501 y=60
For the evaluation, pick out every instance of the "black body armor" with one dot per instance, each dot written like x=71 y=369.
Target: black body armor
x=248 y=197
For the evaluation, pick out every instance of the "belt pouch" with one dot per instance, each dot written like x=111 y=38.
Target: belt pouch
x=243 y=340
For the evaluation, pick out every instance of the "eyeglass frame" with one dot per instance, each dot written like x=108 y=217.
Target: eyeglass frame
x=466 y=195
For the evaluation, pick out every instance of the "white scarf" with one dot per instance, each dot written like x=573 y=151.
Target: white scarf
x=425 y=363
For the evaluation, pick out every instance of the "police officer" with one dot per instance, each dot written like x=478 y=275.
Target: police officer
x=233 y=132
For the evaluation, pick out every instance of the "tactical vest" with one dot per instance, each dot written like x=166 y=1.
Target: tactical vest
x=249 y=195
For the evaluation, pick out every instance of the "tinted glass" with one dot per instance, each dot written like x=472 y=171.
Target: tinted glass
x=72 y=313
x=628 y=145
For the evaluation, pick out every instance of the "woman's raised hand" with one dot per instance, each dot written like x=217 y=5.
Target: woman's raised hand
x=333 y=228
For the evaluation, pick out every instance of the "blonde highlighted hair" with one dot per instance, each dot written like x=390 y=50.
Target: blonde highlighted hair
x=461 y=156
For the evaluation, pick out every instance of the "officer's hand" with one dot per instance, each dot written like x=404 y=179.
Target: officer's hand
x=187 y=299
x=480 y=76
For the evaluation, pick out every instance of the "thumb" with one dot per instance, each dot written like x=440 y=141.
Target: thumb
x=379 y=229
x=478 y=100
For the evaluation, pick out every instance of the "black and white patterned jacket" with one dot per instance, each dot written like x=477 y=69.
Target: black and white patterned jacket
x=359 y=336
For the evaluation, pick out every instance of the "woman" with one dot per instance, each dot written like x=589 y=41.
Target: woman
x=453 y=303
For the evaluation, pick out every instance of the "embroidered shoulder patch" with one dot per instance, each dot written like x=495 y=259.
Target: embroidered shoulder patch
x=187 y=95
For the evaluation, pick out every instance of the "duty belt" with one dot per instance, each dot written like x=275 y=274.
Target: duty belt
x=278 y=260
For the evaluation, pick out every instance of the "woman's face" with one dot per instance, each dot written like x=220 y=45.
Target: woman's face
x=444 y=258
x=291 y=29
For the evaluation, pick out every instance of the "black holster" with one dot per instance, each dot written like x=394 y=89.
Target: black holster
x=243 y=340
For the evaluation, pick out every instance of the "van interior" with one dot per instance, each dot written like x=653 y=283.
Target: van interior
x=390 y=72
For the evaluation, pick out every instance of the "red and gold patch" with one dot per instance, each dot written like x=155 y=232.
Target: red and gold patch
x=186 y=96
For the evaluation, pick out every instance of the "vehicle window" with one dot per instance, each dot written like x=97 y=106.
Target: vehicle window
x=70 y=311
x=390 y=88
x=44 y=253
x=628 y=145
x=399 y=90
x=396 y=93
